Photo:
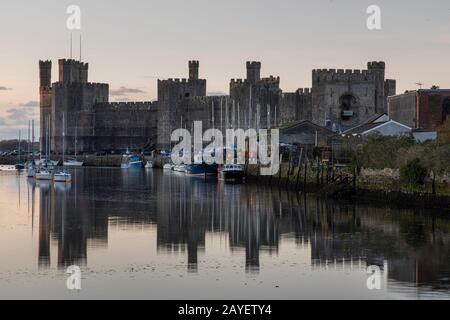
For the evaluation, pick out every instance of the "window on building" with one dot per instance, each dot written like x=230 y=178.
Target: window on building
x=348 y=104
x=446 y=109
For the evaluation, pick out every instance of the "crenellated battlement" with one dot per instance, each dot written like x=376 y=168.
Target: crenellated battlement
x=73 y=62
x=88 y=85
x=45 y=63
x=238 y=81
x=253 y=64
x=45 y=89
x=270 y=80
x=127 y=106
x=376 y=65
x=342 y=75
x=174 y=80
x=304 y=91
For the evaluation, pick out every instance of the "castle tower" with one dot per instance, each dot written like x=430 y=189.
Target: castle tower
x=194 y=70
x=253 y=71
x=72 y=71
x=45 y=73
x=378 y=70
x=45 y=95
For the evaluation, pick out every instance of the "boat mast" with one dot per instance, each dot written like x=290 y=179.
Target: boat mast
x=32 y=145
x=29 y=140
x=20 y=137
x=76 y=138
x=47 y=140
x=64 y=137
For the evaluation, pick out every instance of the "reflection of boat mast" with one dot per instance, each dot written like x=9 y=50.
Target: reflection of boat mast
x=33 y=197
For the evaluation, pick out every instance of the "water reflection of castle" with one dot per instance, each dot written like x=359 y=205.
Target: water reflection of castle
x=415 y=248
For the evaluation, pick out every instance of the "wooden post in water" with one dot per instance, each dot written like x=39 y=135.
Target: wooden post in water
x=299 y=168
x=281 y=169
x=306 y=171
x=288 y=175
x=318 y=173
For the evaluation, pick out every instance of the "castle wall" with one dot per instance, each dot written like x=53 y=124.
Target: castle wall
x=171 y=93
x=76 y=102
x=257 y=101
x=118 y=126
x=330 y=87
x=295 y=106
x=344 y=98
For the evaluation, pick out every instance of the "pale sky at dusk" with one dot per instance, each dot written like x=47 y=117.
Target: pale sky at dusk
x=132 y=43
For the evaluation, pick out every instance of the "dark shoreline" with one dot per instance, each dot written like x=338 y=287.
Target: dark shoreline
x=345 y=193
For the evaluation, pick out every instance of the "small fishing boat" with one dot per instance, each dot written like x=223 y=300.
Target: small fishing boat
x=31 y=169
x=73 y=163
x=168 y=166
x=45 y=163
x=201 y=170
x=132 y=161
x=31 y=164
x=180 y=168
x=232 y=173
x=44 y=175
x=20 y=165
x=62 y=177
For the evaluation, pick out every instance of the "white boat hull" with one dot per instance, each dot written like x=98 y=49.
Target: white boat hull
x=73 y=164
x=65 y=178
x=44 y=176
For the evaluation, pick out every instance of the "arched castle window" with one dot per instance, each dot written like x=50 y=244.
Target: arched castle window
x=446 y=109
x=348 y=103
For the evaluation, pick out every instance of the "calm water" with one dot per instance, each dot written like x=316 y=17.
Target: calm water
x=155 y=235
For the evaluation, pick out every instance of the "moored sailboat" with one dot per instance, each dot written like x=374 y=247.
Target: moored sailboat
x=63 y=176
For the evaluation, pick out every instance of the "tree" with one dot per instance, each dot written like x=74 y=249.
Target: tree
x=437 y=160
x=414 y=172
x=444 y=133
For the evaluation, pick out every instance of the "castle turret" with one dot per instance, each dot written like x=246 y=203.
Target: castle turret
x=194 y=70
x=45 y=103
x=253 y=71
x=45 y=73
x=378 y=69
x=72 y=71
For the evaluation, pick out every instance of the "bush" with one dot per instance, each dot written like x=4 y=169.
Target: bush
x=413 y=172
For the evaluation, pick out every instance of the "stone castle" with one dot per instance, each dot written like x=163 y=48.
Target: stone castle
x=338 y=99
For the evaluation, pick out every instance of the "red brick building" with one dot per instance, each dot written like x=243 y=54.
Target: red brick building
x=424 y=109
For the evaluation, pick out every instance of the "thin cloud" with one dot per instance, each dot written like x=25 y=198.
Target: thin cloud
x=216 y=93
x=30 y=104
x=124 y=91
x=19 y=116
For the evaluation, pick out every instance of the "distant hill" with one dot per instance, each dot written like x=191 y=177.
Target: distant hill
x=11 y=145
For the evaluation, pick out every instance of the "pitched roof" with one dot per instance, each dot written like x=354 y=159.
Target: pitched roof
x=368 y=127
x=303 y=124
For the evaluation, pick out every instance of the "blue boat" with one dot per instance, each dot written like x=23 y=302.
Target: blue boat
x=201 y=169
x=132 y=161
